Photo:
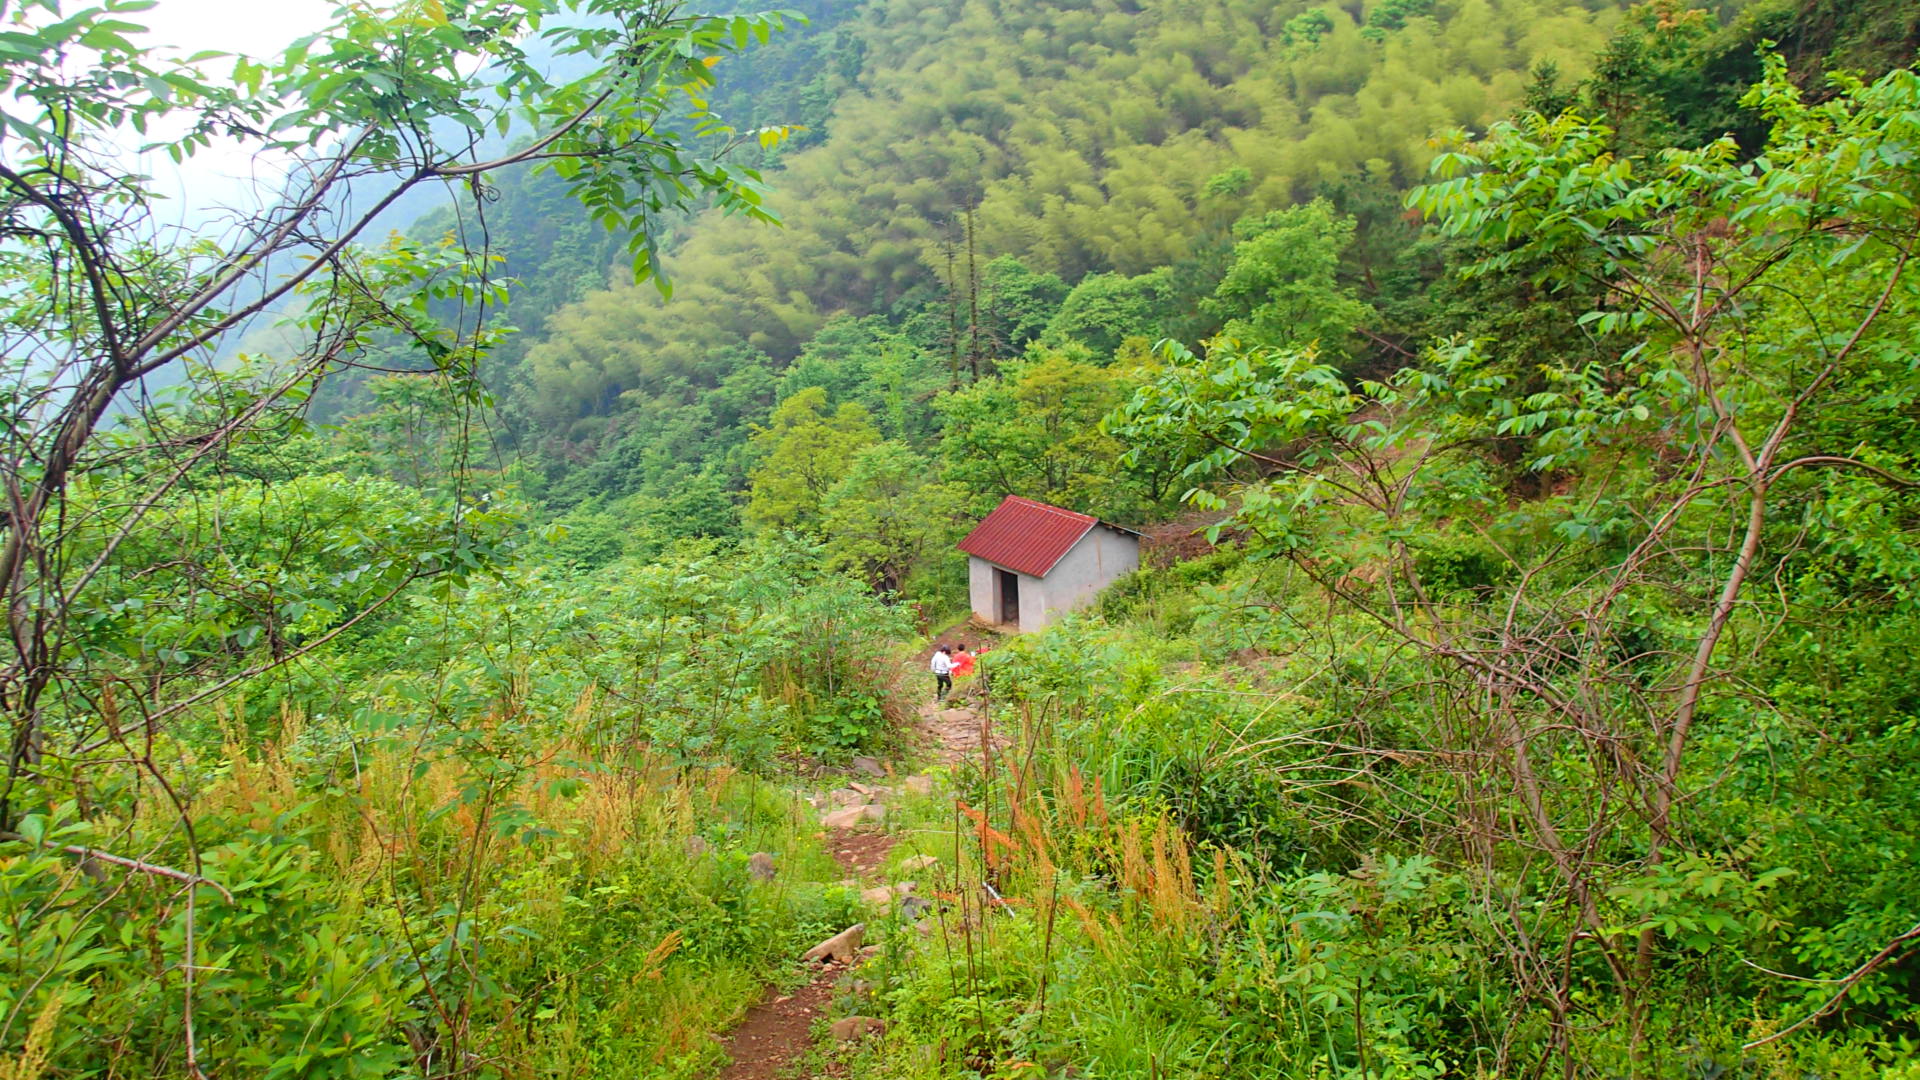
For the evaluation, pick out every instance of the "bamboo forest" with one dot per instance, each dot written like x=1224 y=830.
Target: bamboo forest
x=960 y=539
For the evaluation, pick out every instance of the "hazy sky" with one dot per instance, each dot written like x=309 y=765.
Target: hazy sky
x=226 y=174
x=256 y=28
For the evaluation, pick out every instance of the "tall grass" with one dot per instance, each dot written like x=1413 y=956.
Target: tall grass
x=1178 y=870
x=513 y=904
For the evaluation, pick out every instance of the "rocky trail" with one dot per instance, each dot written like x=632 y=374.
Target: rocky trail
x=956 y=731
x=774 y=1039
x=775 y=1035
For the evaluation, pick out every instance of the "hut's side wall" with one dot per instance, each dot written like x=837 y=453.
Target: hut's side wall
x=1101 y=556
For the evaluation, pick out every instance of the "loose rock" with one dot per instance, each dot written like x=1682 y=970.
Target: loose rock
x=856 y=1027
x=883 y=896
x=920 y=862
x=869 y=766
x=848 y=796
x=920 y=785
x=698 y=846
x=843 y=946
x=760 y=866
x=846 y=817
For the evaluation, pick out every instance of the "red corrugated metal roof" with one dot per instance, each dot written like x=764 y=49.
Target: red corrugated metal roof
x=1027 y=536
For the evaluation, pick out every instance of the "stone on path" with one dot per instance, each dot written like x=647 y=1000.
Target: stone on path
x=855 y=1027
x=869 y=766
x=843 y=946
x=848 y=816
x=843 y=817
x=883 y=896
x=847 y=796
x=760 y=866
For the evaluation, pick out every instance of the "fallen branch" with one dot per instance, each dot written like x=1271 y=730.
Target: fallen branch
x=1846 y=985
x=135 y=865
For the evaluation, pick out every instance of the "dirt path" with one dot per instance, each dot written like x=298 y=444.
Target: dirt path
x=772 y=1041
x=954 y=730
x=777 y=1033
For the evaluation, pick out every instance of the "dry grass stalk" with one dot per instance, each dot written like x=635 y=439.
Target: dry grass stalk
x=31 y=1063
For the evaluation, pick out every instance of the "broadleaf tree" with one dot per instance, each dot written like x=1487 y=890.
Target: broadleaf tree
x=109 y=309
x=1597 y=558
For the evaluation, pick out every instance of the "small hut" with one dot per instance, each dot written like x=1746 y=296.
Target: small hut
x=1029 y=563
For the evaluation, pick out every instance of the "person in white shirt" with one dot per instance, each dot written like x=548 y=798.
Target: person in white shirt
x=942 y=666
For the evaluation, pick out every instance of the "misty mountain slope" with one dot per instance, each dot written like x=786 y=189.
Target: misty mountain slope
x=1085 y=137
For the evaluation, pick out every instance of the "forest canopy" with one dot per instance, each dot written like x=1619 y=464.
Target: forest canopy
x=1082 y=137
x=511 y=645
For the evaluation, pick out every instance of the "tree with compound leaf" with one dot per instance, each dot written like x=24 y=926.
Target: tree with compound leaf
x=1605 y=563
x=107 y=305
x=106 y=300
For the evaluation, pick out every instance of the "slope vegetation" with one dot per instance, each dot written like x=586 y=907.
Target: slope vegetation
x=1083 y=136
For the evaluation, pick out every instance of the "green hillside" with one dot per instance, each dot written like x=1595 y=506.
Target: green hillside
x=437 y=656
x=1083 y=137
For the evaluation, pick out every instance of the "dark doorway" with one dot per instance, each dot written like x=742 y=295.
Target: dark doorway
x=1008 y=586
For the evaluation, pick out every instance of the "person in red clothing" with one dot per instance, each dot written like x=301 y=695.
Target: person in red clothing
x=962 y=661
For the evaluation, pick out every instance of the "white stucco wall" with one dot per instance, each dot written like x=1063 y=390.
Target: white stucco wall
x=980 y=588
x=1086 y=568
x=1089 y=566
x=987 y=606
x=1033 y=601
